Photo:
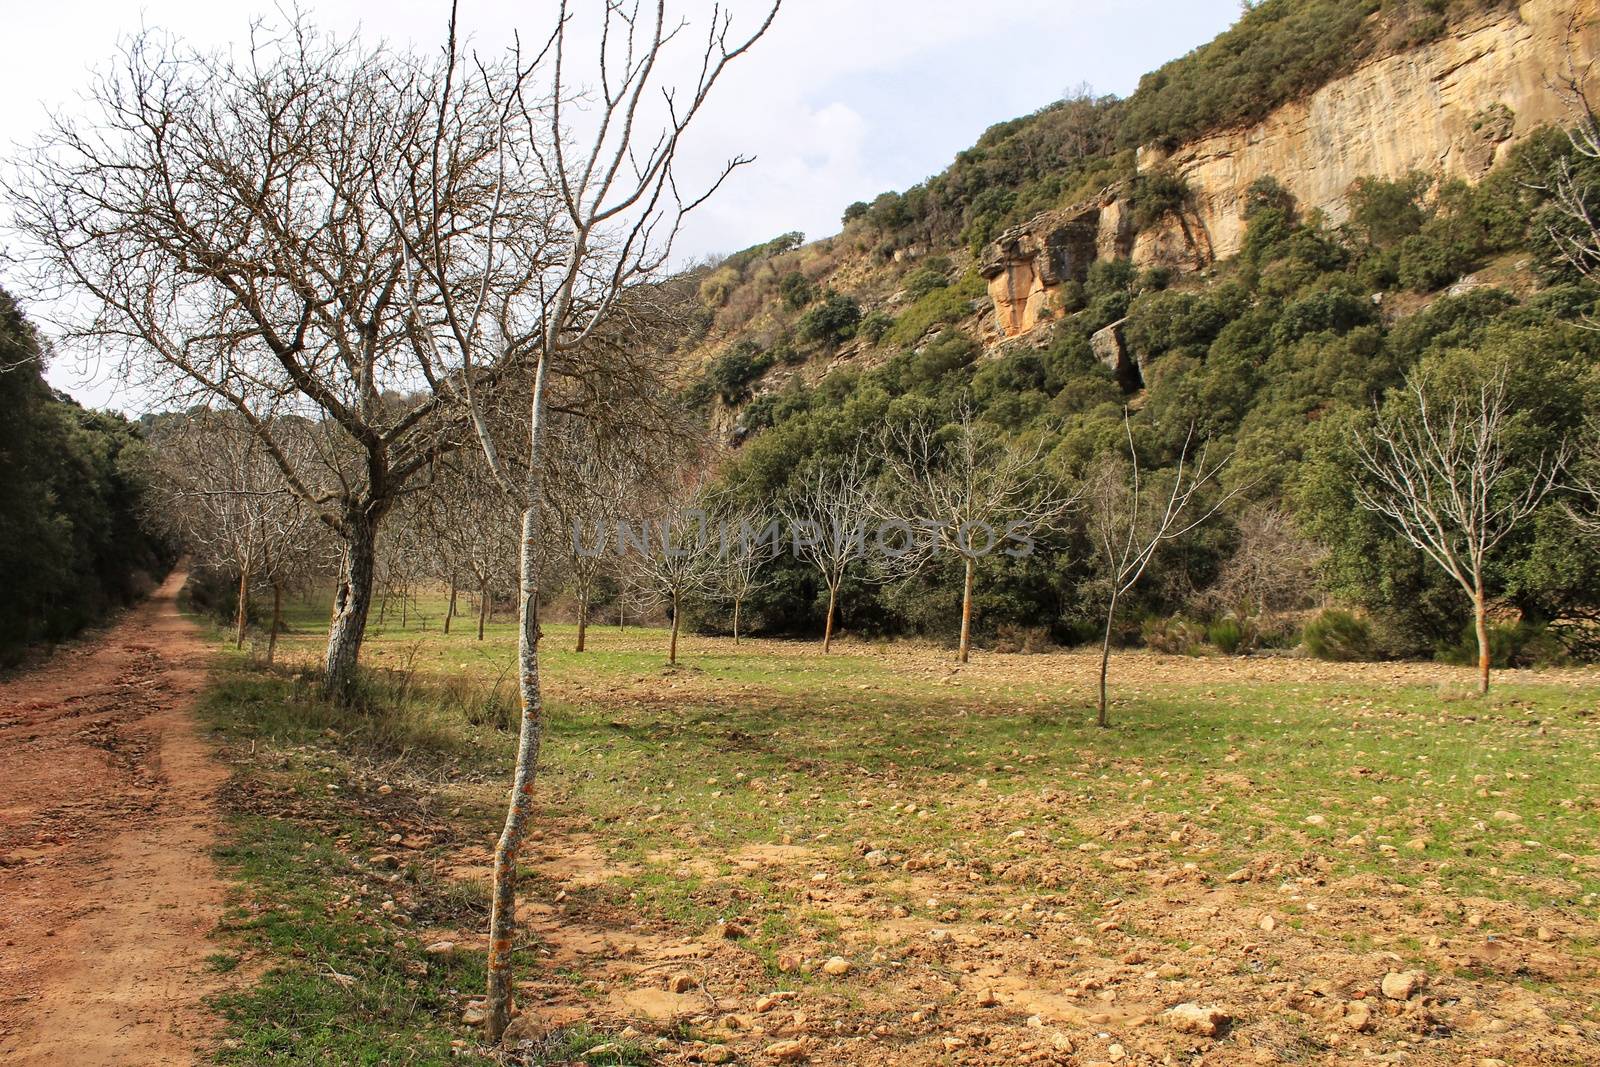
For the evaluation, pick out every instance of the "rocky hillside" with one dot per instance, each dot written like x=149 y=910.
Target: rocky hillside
x=1441 y=96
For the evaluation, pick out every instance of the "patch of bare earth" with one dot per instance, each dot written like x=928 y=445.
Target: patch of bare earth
x=107 y=819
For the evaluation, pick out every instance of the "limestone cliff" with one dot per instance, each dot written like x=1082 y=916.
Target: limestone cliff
x=1449 y=109
x=1440 y=110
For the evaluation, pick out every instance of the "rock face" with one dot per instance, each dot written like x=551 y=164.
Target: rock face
x=1027 y=265
x=1450 y=109
x=1111 y=349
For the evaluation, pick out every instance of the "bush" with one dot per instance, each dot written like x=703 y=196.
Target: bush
x=795 y=290
x=938 y=308
x=919 y=283
x=1518 y=644
x=874 y=326
x=1027 y=640
x=1339 y=636
x=1229 y=636
x=1176 y=636
x=831 y=322
x=731 y=373
x=1426 y=264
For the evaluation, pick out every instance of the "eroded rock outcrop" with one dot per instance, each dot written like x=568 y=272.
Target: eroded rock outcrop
x=1027 y=265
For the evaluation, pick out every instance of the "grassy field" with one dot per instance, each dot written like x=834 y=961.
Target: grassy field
x=995 y=879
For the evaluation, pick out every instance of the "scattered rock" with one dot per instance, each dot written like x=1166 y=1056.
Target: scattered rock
x=837 y=967
x=386 y=860
x=1358 y=1016
x=1399 y=985
x=681 y=983
x=877 y=858
x=1267 y=924
x=440 y=948
x=1192 y=1018
x=987 y=999
x=716 y=1054
x=610 y=1048
x=475 y=1014
x=787 y=1051
x=770 y=1001
x=1316 y=820
x=1506 y=817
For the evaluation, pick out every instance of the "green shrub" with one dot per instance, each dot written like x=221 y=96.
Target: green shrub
x=1339 y=636
x=1427 y=264
x=1175 y=636
x=874 y=326
x=795 y=290
x=1229 y=636
x=922 y=281
x=938 y=308
x=731 y=373
x=1518 y=644
x=831 y=322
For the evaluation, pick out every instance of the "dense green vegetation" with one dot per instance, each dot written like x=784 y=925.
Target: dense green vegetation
x=75 y=539
x=1276 y=358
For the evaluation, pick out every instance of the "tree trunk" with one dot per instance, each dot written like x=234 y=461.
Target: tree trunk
x=405 y=606
x=1480 y=613
x=351 y=605
x=583 y=620
x=450 y=612
x=503 y=903
x=737 y=603
x=242 y=614
x=483 y=608
x=277 y=620
x=966 y=612
x=827 y=627
x=1103 y=717
x=672 y=655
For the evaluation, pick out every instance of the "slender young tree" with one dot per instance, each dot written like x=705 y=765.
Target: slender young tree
x=534 y=279
x=827 y=519
x=1437 y=465
x=675 y=559
x=746 y=542
x=1130 y=520
x=963 y=491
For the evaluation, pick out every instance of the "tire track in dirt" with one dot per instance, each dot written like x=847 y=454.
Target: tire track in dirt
x=107 y=821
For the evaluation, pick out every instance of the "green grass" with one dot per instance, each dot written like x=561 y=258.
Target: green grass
x=674 y=774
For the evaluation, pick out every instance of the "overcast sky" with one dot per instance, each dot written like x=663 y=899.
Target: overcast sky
x=843 y=100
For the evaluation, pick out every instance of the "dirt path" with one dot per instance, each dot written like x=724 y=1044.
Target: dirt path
x=106 y=825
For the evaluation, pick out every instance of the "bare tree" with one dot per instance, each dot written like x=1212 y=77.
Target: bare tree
x=527 y=248
x=968 y=493
x=672 y=556
x=1436 y=465
x=746 y=542
x=1273 y=570
x=1130 y=520
x=827 y=519
x=221 y=223
x=1574 y=229
x=226 y=501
